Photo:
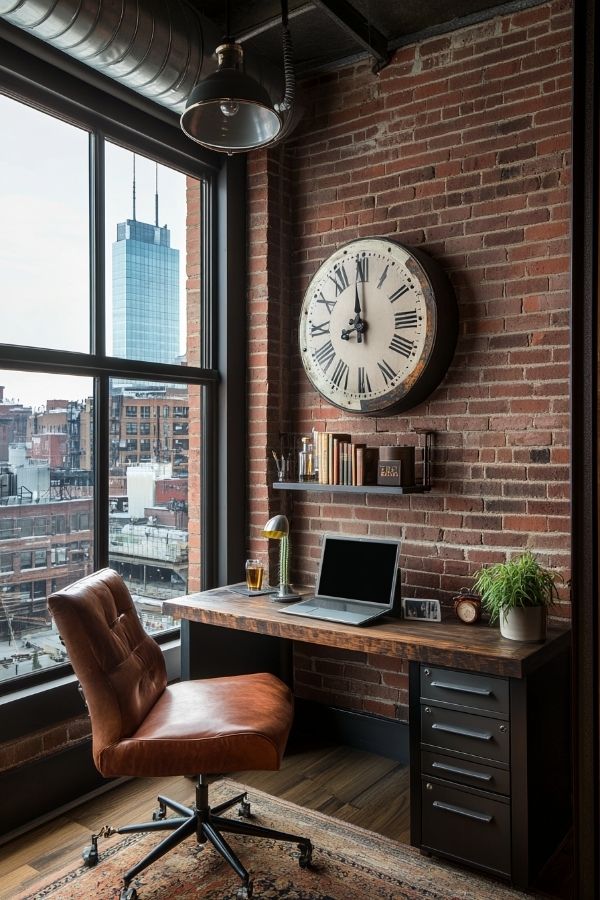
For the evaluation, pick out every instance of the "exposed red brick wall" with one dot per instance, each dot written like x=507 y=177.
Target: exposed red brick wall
x=460 y=147
x=269 y=317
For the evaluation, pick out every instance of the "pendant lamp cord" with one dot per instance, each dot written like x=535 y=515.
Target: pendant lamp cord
x=288 y=67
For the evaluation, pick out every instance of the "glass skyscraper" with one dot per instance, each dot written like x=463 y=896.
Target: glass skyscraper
x=145 y=276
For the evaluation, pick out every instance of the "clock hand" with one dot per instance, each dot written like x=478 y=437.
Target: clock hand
x=357 y=318
x=358 y=325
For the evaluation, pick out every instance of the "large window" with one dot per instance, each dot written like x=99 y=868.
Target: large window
x=102 y=368
x=44 y=233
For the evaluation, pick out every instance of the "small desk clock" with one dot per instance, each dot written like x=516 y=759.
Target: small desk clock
x=467 y=607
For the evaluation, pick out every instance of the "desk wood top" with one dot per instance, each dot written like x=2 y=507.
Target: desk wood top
x=477 y=648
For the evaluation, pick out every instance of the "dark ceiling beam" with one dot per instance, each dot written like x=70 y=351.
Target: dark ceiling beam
x=483 y=15
x=273 y=22
x=353 y=21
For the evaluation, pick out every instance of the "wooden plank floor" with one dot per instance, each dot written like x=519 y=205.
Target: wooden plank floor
x=349 y=784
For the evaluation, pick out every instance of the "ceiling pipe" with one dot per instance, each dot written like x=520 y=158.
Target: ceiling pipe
x=158 y=48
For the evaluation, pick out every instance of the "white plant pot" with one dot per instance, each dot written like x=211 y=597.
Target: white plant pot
x=524 y=623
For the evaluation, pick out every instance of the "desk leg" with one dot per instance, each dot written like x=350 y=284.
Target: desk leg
x=209 y=651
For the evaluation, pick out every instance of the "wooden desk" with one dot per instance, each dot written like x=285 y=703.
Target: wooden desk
x=478 y=648
x=489 y=719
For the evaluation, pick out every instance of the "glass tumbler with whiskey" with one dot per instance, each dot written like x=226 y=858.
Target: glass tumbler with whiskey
x=254 y=575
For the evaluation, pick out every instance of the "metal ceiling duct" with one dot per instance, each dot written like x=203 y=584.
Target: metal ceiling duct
x=154 y=47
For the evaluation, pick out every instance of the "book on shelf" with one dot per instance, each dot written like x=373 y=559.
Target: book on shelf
x=358 y=461
x=339 y=461
x=327 y=448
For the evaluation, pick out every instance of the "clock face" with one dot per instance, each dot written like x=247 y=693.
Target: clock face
x=468 y=611
x=370 y=327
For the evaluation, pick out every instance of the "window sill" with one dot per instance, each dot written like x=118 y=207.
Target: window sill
x=43 y=705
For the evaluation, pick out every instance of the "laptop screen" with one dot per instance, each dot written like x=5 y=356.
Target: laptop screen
x=354 y=568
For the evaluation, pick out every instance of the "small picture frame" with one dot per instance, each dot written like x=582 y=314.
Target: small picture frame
x=423 y=609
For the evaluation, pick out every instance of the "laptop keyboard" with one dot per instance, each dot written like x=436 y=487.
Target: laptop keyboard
x=331 y=612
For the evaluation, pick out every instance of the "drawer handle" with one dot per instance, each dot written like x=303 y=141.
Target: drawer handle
x=462 y=688
x=456 y=770
x=464 y=732
x=460 y=811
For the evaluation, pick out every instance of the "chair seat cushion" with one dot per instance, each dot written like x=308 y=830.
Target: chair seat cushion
x=215 y=725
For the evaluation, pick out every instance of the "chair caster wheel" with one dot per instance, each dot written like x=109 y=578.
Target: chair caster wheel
x=90 y=856
x=244 y=809
x=128 y=893
x=305 y=857
x=159 y=814
x=244 y=892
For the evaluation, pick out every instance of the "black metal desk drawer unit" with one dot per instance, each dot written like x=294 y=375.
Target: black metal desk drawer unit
x=489 y=767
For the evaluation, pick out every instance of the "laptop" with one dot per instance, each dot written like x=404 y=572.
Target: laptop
x=356 y=583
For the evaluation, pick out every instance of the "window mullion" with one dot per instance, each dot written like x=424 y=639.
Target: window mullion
x=97 y=263
x=98 y=346
x=101 y=464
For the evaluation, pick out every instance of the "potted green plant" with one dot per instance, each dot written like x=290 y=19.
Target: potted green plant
x=517 y=593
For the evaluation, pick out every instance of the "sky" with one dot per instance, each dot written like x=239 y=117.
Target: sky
x=44 y=250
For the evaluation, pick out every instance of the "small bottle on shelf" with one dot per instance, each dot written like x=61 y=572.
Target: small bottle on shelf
x=306 y=461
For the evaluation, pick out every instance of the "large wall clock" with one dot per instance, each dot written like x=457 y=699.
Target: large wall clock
x=378 y=327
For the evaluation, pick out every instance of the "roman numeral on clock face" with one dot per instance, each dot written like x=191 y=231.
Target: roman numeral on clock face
x=325 y=355
x=384 y=275
x=406 y=319
x=330 y=304
x=362 y=268
x=323 y=328
x=340 y=373
x=340 y=280
x=401 y=345
x=397 y=294
x=387 y=371
x=364 y=385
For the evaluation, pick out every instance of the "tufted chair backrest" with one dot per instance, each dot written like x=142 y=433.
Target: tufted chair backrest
x=120 y=668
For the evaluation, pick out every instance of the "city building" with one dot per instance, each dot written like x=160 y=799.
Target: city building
x=14 y=419
x=145 y=291
x=149 y=426
x=44 y=545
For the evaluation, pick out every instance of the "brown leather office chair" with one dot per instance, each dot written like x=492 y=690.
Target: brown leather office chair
x=142 y=726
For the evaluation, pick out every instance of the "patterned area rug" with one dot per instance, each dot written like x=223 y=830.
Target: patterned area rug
x=349 y=863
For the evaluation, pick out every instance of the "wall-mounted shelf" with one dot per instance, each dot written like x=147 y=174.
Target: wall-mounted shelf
x=349 y=488
x=423 y=487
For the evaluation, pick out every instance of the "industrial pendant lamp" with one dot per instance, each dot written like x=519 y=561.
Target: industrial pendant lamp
x=230 y=111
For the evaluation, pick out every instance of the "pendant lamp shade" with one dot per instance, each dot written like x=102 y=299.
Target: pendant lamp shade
x=229 y=110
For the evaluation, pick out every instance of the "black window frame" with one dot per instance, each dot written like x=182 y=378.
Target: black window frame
x=35 y=72
x=33 y=82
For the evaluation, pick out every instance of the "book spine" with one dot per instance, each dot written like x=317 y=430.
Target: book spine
x=336 y=461
x=322 y=476
x=360 y=466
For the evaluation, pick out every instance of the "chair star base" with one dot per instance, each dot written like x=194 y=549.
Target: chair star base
x=208 y=825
